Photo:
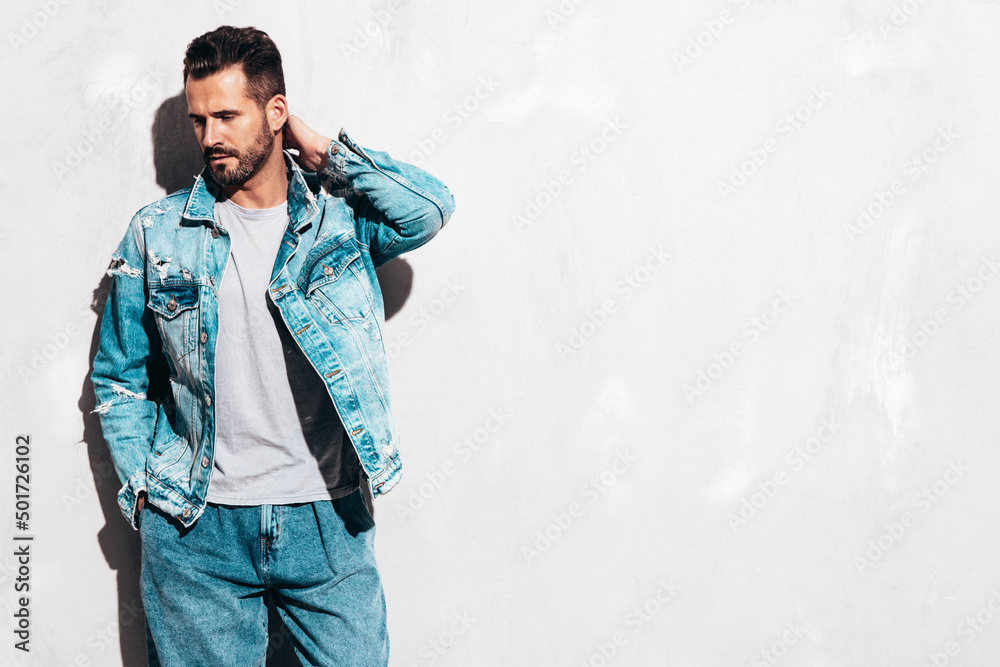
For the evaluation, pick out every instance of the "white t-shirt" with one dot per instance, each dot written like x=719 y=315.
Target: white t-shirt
x=278 y=438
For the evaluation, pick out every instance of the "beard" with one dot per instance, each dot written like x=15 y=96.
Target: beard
x=248 y=162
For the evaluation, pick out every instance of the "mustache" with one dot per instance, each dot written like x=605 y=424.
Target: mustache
x=219 y=153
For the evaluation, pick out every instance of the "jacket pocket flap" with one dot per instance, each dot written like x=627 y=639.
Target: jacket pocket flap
x=329 y=267
x=169 y=300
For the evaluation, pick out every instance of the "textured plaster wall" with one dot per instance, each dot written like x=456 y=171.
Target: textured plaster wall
x=702 y=372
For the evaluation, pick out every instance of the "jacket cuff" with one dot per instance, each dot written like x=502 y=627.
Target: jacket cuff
x=128 y=496
x=336 y=154
x=340 y=150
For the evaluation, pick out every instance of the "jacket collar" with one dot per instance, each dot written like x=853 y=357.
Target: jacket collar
x=302 y=204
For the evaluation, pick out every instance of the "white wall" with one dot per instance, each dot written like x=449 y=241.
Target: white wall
x=873 y=549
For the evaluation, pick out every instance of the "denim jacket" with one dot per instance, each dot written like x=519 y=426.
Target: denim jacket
x=361 y=210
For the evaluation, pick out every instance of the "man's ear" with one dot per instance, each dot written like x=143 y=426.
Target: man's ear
x=277 y=112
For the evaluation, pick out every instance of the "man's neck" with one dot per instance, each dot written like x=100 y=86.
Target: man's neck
x=265 y=189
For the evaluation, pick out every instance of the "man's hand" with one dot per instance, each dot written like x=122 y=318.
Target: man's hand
x=311 y=145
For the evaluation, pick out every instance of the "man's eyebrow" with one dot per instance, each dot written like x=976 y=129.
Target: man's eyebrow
x=221 y=112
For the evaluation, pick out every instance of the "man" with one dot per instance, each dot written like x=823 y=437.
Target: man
x=258 y=287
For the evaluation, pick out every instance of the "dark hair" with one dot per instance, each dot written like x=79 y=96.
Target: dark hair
x=248 y=48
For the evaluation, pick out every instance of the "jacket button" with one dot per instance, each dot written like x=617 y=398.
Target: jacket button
x=204 y=337
x=208 y=400
x=328 y=270
x=387 y=449
x=204 y=462
x=172 y=304
x=215 y=232
x=186 y=512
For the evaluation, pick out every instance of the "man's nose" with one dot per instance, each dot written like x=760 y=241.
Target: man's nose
x=212 y=135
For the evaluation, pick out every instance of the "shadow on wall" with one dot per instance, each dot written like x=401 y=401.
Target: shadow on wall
x=177 y=161
x=176 y=156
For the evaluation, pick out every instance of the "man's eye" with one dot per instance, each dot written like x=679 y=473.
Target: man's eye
x=197 y=121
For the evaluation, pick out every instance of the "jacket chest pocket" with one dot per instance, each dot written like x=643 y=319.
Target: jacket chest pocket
x=337 y=285
x=177 y=316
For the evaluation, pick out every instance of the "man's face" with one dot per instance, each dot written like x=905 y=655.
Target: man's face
x=231 y=129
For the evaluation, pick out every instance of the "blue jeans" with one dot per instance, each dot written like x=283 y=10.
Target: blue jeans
x=203 y=587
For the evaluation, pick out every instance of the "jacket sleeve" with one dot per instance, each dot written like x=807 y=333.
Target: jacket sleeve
x=400 y=207
x=128 y=338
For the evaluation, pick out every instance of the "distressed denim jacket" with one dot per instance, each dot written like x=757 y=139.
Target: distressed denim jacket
x=361 y=210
